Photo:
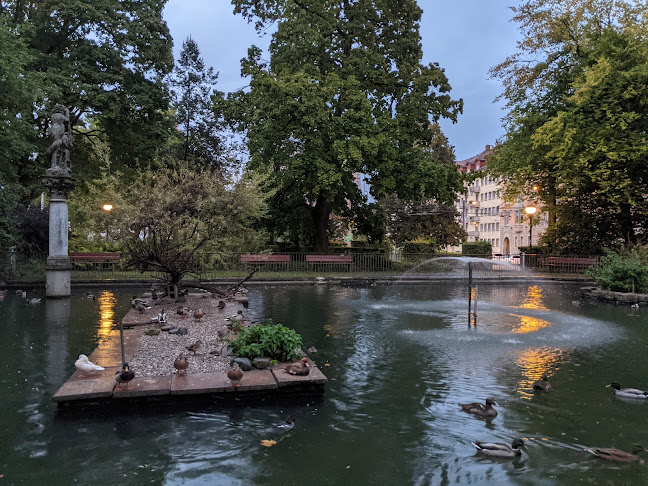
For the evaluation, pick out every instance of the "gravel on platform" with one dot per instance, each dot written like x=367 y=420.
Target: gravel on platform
x=155 y=354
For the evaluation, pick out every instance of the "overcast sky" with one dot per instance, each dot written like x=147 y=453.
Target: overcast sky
x=466 y=37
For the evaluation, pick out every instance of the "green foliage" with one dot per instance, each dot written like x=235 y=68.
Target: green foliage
x=411 y=247
x=626 y=271
x=477 y=248
x=344 y=92
x=267 y=340
x=577 y=120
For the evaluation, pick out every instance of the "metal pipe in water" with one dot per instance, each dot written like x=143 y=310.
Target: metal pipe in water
x=469 y=290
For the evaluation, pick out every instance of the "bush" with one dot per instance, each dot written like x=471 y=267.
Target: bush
x=477 y=248
x=419 y=246
x=267 y=340
x=626 y=271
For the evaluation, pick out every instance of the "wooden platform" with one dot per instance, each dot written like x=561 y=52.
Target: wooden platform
x=101 y=386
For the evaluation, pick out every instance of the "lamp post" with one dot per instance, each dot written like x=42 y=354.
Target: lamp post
x=107 y=208
x=530 y=210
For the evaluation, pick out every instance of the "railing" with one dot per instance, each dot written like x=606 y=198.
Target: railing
x=295 y=265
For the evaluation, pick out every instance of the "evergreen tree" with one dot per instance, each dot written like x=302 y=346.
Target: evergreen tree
x=192 y=85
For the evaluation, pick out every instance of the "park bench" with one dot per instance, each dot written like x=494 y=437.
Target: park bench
x=94 y=260
x=569 y=263
x=330 y=259
x=265 y=259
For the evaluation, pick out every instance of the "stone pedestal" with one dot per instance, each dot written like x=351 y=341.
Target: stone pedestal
x=59 y=268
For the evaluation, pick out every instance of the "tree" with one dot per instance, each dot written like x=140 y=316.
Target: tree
x=577 y=119
x=344 y=92
x=192 y=85
x=104 y=60
x=173 y=218
x=412 y=220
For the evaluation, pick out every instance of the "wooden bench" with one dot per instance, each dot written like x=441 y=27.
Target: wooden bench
x=569 y=263
x=105 y=260
x=330 y=259
x=249 y=258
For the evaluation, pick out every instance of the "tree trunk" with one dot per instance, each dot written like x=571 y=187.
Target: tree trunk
x=320 y=214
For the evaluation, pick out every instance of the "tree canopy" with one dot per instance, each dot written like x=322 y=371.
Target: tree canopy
x=344 y=92
x=577 y=119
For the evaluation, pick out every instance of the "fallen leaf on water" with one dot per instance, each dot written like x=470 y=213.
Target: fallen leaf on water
x=268 y=443
x=328 y=335
x=326 y=364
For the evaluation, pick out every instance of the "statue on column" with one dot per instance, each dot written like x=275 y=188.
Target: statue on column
x=61 y=134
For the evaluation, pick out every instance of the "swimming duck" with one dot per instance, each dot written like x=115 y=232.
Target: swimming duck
x=480 y=409
x=124 y=375
x=34 y=301
x=287 y=425
x=542 y=384
x=199 y=314
x=628 y=392
x=634 y=306
x=85 y=366
x=300 y=368
x=90 y=296
x=181 y=364
x=612 y=454
x=497 y=449
x=194 y=347
x=235 y=375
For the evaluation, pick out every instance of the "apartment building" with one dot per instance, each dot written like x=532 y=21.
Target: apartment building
x=486 y=217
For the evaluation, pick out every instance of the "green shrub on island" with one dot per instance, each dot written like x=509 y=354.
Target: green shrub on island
x=267 y=340
x=482 y=249
x=626 y=271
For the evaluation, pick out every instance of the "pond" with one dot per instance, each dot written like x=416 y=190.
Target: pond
x=399 y=358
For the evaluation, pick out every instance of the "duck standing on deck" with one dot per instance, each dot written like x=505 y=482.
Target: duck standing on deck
x=85 y=366
x=300 y=368
x=481 y=410
x=123 y=376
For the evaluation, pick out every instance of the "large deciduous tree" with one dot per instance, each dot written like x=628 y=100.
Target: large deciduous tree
x=104 y=60
x=192 y=84
x=577 y=95
x=344 y=92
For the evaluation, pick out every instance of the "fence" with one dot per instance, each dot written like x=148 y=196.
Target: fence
x=295 y=265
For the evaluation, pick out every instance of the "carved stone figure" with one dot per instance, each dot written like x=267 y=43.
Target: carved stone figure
x=61 y=134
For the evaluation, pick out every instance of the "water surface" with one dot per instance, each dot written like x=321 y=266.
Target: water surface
x=399 y=359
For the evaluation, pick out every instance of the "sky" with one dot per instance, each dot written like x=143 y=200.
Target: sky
x=466 y=38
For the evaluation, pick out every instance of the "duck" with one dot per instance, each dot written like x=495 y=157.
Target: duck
x=183 y=312
x=35 y=300
x=124 y=375
x=300 y=368
x=154 y=294
x=235 y=375
x=194 y=347
x=542 y=384
x=628 y=392
x=181 y=364
x=90 y=296
x=135 y=301
x=497 y=449
x=480 y=409
x=198 y=314
x=85 y=366
x=612 y=454
x=635 y=305
x=221 y=305
x=285 y=426
x=312 y=349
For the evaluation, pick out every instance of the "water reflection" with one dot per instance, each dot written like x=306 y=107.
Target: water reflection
x=107 y=302
x=533 y=362
x=534 y=299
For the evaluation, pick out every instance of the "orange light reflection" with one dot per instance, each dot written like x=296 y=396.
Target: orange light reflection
x=533 y=362
x=533 y=299
x=107 y=302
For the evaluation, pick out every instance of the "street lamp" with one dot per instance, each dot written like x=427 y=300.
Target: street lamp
x=530 y=210
x=107 y=208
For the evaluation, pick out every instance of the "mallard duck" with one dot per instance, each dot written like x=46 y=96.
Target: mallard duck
x=634 y=306
x=542 y=384
x=198 y=314
x=34 y=301
x=123 y=376
x=480 y=409
x=90 y=296
x=300 y=368
x=235 y=375
x=312 y=349
x=612 y=454
x=181 y=364
x=628 y=392
x=135 y=301
x=194 y=347
x=287 y=425
x=183 y=312
x=85 y=366
x=497 y=449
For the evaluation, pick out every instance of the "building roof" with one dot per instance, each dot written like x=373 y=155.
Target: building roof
x=474 y=163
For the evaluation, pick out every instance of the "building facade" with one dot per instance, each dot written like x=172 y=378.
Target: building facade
x=486 y=217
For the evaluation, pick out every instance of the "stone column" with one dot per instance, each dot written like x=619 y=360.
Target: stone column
x=59 y=182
